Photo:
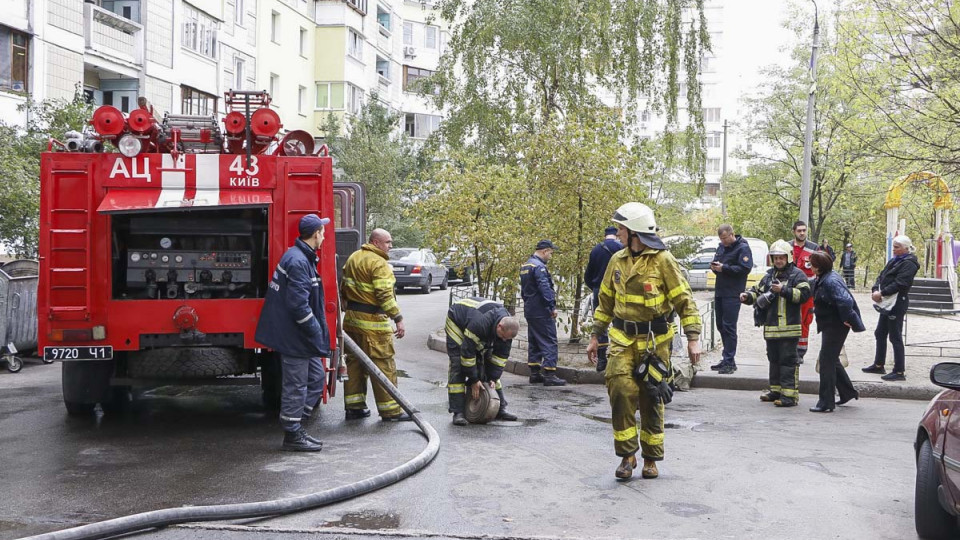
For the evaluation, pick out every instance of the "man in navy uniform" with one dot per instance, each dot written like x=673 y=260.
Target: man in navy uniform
x=540 y=310
x=593 y=276
x=292 y=323
x=732 y=263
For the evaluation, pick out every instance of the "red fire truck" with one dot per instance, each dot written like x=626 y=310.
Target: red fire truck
x=154 y=260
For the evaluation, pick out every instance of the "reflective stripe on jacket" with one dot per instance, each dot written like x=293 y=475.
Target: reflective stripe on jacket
x=643 y=288
x=783 y=319
x=368 y=279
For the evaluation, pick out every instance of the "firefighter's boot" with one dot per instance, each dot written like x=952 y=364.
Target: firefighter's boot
x=502 y=414
x=297 y=441
x=649 y=469
x=627 y=465
x=535 y=376
x=770 y=397
x=459 y=419
x=551 y=379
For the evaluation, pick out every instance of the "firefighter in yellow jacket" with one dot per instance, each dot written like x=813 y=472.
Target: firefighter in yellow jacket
x=370 y=303
x=642 y=287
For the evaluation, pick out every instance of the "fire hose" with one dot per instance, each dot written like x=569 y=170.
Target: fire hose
x=276 y=507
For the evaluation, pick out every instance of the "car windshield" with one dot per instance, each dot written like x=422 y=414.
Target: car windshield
x=405 y=255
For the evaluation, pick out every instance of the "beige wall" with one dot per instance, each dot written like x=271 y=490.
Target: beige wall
x=66 y=14
x=64 y=71
x=331 y=52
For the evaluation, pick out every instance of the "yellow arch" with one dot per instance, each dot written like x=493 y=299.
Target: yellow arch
x=943 y=199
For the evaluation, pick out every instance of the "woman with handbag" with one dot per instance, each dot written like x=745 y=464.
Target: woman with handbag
x=890 y=297
x=837 y=313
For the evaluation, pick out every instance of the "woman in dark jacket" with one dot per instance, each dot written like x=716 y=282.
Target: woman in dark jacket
x=895 y=280
x=837 y=313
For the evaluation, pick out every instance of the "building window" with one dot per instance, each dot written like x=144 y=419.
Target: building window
x=354 y=45
x=14 y=60
x=330 y=96
x=303 y=42
x=645 y=116
x=711 y=190
x=238 y=12
x=408 y=33
x=193 y=101
x=713 y=165
x=711 y=114
x=411 y=75
x=430 y=37
x=274 y=86
x=354 y=99
x=713 y=140
x=383 y=68
x=707 y=64
x=275 y=27
x=301 y=99
x=383 y=19
x=237 y=73
x=199 y=32
x=420 y=126
x=358 y=5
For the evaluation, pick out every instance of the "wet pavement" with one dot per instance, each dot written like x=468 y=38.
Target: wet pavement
x=734 y=467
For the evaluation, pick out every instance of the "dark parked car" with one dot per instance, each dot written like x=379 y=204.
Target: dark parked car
x=414 y=267
x=456 y=269
x=937 y=497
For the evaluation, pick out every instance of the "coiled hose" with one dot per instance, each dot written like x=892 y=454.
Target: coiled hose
x=172 y=516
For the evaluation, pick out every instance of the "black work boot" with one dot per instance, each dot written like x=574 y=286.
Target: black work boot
x=314 y=440
x=551 y=379
x=504 y=415
x=296 y=441
x=535 y=376
x=356 y=414
x=770 y=397
x=459 y=419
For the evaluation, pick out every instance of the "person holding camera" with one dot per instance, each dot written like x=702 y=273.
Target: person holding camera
x=777 y=301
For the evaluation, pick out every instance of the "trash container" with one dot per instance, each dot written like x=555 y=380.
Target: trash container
x=18 y=311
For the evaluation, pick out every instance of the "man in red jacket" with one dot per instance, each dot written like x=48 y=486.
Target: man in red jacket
x=802 y=249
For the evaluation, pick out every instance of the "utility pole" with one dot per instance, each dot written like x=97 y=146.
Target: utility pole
x=723 y=175
x=808 y=136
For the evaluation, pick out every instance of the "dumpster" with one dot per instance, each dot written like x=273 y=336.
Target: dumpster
x=18 y=311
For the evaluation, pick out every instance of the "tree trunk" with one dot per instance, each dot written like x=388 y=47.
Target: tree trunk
x=578 y=282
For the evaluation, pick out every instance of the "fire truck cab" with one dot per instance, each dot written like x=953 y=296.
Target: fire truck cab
x=154 y=260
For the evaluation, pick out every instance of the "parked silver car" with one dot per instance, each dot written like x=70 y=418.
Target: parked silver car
x=415 y=267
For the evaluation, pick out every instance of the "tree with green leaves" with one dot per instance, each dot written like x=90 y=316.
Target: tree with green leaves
x=20 y=149
x=374 y=153
x=511 y=66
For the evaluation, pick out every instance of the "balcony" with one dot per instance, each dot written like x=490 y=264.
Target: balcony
x=111 y=36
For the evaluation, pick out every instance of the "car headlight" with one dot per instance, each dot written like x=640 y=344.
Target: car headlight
x=129 y=145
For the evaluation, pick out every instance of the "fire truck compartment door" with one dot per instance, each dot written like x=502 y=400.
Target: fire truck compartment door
x=127 y=201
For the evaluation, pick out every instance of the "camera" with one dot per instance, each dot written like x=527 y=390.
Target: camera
x=765 y=299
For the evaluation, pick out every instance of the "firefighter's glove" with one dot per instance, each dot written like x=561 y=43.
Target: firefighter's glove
x=654 y=374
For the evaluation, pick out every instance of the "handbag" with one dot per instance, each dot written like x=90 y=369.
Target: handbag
x=843 y=359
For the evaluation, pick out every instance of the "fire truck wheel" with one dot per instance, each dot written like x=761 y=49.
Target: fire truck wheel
x=79 y=409
x=187 y=362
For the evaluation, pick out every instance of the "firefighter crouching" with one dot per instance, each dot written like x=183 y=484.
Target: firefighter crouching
x=643 y=284
x=479 y=337
x=778 y=299
x=367 y=290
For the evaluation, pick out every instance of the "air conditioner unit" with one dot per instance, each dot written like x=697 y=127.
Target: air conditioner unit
x=410 y=52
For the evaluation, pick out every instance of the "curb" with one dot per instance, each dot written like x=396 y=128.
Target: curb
x=437 y=341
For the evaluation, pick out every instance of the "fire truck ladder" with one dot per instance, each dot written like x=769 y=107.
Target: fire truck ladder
x=69 y=250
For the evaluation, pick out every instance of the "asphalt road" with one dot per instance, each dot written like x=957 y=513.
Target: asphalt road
x=734 y=468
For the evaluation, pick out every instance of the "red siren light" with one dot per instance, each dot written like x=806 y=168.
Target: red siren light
x=265 y=122
x=234 y=123
x=108 y=121
x=140 y=121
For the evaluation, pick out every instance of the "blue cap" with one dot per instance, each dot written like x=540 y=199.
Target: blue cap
x=609 y=230
x=545 y=244
x=310 y=223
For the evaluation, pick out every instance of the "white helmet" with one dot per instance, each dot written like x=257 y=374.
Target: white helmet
x=780 y=247
x=637 y=217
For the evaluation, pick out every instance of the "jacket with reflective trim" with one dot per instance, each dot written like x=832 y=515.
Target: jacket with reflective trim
x=801 y=256
x=536 y=288
x=783 y=319
x=292 y=319
x=643 y=288
x=472 y=324
x=368 y=279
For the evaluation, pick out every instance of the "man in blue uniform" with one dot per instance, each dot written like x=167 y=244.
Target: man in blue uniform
x=593 y=276
x=292 y=322
x=540 y=310
x=732 y=263
x=480 y=333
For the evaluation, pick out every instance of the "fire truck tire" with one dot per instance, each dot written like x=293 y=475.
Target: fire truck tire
x=186 y=363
